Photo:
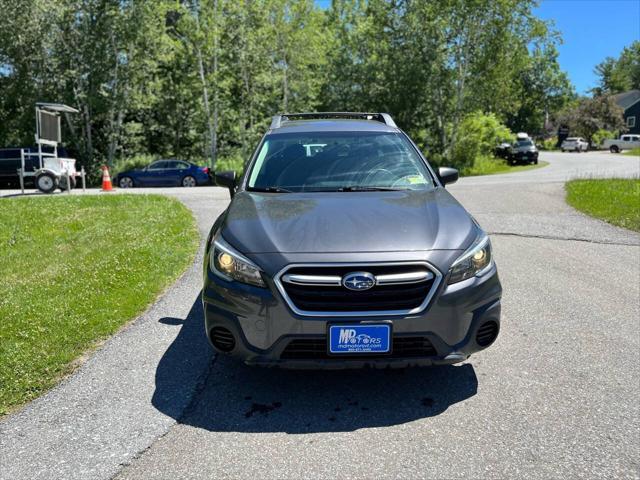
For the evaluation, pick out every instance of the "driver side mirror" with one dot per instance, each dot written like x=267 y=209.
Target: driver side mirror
x=226 y=179
x=448 y=175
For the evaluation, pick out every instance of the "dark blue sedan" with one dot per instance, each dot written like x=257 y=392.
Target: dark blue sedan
x=165 y=173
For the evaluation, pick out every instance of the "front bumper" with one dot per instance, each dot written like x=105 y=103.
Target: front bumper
x=524 y=156
x=257 y=325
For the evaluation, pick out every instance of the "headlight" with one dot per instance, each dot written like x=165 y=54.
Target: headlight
x=231 y=265
x=475 y=261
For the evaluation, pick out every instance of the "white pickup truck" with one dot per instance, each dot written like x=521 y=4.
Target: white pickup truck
x=625 y=142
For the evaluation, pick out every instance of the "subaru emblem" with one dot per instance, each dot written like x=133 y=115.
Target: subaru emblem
x=358 y=281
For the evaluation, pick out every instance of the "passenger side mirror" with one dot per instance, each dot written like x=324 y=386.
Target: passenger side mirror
x=448 y=175
x=226 y=179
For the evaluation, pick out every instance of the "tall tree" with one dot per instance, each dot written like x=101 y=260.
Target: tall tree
x=430 y=63
x=26 y=68
x=200 y=78
x=621 y=74
x=592 y=114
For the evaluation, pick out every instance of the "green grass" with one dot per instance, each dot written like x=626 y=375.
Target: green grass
x=634 y=152
x=490 y=166
x=73 y=270
x=616 y=201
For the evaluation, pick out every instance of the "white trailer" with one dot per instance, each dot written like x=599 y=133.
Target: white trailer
x=50 y=170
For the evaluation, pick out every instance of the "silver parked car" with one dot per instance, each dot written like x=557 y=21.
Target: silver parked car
x=574 y=144
x=341 y=248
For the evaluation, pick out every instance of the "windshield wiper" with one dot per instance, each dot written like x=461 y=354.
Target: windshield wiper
x=354 y=188
x=270 y=189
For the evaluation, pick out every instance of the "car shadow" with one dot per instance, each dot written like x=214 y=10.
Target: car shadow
x=231 y=397
x=184 y=364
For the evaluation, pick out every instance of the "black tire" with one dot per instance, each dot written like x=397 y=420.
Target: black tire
x=189 y=181
x=125 y=182
x=562 y=150
x=46 y=182
x=614 y=149
x=535 y=162
x=62 y=183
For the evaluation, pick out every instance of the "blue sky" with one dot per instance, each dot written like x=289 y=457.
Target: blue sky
x=591 y=30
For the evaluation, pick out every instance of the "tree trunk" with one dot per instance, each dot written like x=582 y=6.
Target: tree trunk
x=114 y=124
x=211 y=124
x=285 y=87
x=214 y=134
x=88 y=139
x=113 y=141
x=207 y=110
x=440 y=121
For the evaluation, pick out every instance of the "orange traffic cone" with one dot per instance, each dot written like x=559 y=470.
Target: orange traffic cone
x=106 y=180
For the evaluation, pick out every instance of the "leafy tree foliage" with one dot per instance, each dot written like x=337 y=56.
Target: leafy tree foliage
x=601 y=135
x=621 y=74
x=479 y=136
x=590 y=116
x=432 y=62
x=199 y=79
x=546 y=90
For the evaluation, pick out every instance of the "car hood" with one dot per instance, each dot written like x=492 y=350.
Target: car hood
x=347 y=222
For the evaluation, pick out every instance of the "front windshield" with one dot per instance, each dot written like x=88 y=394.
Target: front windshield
x=525 y=143
x=338 y=161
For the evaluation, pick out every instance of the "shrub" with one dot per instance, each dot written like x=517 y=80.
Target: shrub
x=550 y=143
x=478 y=135
x=232 y=162
x=137 y=161
x=485 y=165
x=600 y=136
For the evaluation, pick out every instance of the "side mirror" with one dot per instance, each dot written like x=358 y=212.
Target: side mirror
x=448 y=175
x=226 y=179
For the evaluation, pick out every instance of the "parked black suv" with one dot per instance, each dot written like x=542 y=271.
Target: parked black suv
x=524 y=150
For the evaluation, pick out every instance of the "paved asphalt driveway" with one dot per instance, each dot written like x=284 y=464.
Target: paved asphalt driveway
x=556 y=396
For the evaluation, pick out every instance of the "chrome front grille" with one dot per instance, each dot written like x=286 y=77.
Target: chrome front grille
x=397 y=288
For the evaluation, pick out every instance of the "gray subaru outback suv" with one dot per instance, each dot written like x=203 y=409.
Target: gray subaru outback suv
x=341 y=248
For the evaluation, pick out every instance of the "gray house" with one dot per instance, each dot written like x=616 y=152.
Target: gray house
x=630 y=103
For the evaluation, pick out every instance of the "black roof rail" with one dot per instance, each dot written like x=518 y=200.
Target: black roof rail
x=385 y=118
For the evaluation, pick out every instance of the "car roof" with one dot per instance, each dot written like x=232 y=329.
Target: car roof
x=332 y=125
x=309 y=122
